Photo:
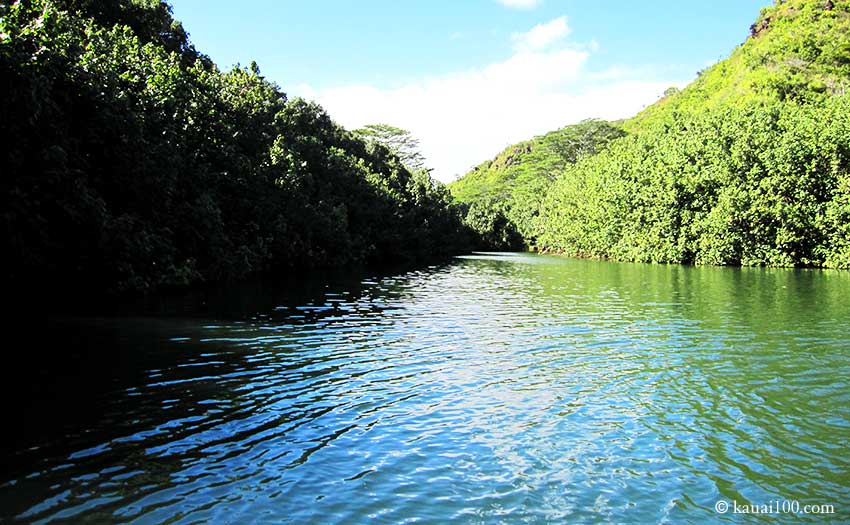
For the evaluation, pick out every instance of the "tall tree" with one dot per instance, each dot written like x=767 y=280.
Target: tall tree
x=399 y=141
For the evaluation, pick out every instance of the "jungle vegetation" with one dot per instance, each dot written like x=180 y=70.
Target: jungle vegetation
x=748 y=165
x=132 y=163
x=502 y=197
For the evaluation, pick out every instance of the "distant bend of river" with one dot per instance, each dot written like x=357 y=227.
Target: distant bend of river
x=498 y=388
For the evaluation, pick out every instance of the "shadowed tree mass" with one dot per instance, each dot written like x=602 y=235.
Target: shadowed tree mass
x=131 y=162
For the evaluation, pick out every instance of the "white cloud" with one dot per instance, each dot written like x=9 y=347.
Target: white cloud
x=464 y=118
x=542 y=36
x=520 y=4
x=304 y=91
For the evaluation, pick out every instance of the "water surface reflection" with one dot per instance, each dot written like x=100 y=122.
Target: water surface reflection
x=500 y=388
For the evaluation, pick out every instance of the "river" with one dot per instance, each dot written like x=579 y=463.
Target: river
x=497 y=388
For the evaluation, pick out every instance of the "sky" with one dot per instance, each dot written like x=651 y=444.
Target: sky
x=470 y=77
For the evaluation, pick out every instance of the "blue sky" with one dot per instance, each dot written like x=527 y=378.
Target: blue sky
x=469 y=77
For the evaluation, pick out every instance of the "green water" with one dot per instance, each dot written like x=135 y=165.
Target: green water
x=499 y=388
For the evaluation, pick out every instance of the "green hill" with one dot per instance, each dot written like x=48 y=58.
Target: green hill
x=797 y=50
x=747 y=165
x=503 y=194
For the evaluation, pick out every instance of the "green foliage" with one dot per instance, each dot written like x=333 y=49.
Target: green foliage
x=503 y=195
x=798 y=50
x=748 y=165
x=133 y=163
x=494 y=231
x=752 y=186
x=399 y=141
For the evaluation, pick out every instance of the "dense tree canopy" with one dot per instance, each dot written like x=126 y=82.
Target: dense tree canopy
x=748 y=165
x=502 y=196
x=131 y=162
x=753 y=185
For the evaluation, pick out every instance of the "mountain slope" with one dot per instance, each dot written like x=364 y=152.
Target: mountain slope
x=503 y=194
x=748 y=165
x=797 y=50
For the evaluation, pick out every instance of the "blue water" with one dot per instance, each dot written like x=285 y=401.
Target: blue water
x=499 y=388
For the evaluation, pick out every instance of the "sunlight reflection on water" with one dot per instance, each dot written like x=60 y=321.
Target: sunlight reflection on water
x=501 y=388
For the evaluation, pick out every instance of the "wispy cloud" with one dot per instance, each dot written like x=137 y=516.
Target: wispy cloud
x=520 y=4
x=542 y=36
x=465 y=117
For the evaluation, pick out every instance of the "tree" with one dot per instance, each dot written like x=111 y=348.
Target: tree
x=571 y=143
x=132 y=163
x=399 y=141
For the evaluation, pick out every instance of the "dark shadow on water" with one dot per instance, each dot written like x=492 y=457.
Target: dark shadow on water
x=541 y=380
x=59 y=368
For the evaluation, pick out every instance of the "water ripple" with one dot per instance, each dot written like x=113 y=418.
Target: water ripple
x=501 y=388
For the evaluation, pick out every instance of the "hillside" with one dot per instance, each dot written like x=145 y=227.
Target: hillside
x=748 y=165
x=796 y=50
x=503 y=194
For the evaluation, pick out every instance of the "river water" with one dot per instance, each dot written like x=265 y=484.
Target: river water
x=497 y=388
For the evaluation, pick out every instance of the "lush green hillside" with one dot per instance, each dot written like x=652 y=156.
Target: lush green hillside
x=130 y=162
x=502 y=196
x=750 y=164
x=756 y=185
x=797 y=50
